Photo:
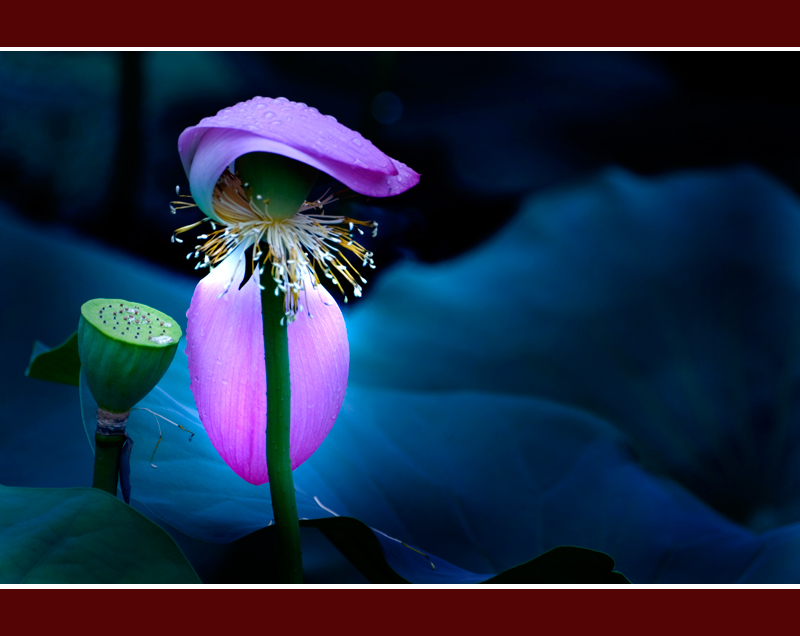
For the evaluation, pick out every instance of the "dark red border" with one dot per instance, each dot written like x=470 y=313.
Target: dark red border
x=413 y=23
x=434 y=611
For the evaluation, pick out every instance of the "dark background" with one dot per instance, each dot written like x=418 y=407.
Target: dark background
x=88 y=139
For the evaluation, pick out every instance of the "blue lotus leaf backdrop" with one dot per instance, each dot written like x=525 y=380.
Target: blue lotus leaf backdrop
x=583 y=328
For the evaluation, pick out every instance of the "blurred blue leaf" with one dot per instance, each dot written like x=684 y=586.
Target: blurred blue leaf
x=669 y=307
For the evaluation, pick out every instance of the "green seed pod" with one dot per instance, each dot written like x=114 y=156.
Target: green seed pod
x=275 y=182
x=125 y=349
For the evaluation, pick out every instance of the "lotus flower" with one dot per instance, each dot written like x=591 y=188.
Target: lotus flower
x=224 y=335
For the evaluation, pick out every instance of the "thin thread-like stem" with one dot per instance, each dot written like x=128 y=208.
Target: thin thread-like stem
x=279 y=462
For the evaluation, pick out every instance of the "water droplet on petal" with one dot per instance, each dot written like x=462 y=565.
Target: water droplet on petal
x=356 y=141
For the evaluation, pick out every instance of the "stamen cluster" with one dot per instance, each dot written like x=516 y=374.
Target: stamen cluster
x=294 y=246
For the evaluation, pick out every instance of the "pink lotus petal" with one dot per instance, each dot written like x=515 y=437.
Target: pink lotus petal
x=225 y=346
x=293 y=130
x=319 y=361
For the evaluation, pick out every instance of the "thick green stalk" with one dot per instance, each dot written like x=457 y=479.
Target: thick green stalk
x=279 y=462
x=107 y=452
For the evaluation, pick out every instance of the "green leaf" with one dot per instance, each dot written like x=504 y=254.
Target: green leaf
x=61 y=364
x=254 y=558
x=565 y=564
x=83 y=535
x=359 y=545
x=367 y=550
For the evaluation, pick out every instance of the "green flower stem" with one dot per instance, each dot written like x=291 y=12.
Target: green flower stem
x=279 y=462
x=107 y=452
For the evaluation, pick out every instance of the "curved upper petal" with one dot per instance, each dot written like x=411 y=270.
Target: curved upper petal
x=293 y=130
x=225 y=347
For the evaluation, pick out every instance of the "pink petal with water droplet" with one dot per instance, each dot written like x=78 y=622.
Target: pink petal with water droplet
x=301 y=133
x=225 y=346
x=319 y=361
